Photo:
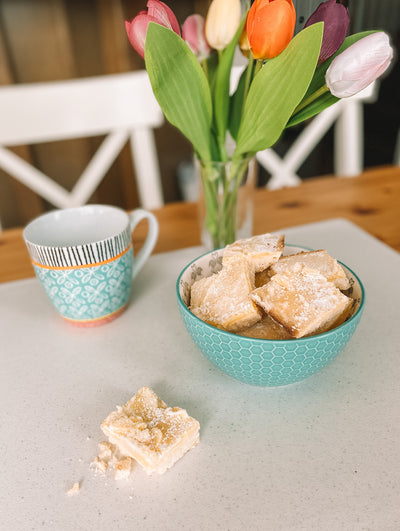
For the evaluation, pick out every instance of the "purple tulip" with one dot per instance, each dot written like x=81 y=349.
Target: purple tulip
x=359 y=65
x=336 y=21
x=193 y=32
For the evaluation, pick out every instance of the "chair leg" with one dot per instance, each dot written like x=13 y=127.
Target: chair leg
x=396 y=159
x=349 y=145
x=145 y=159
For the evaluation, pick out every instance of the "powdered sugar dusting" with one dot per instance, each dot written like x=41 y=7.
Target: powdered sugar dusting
x=320 y=260
x=224 y=300
x=301 y=299
x=259 y=251
x=146 y=419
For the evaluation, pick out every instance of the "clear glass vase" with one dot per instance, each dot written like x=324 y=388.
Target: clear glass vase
x=226 y=200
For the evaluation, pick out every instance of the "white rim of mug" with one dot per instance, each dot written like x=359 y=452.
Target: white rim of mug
x=79 y=256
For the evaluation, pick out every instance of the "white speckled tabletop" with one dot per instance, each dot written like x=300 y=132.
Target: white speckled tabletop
x=322 y=454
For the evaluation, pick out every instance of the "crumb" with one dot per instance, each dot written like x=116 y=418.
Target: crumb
x=109 y=458
x=74 y=490
x=99 y=465
x=105 y=450
x=123 y=468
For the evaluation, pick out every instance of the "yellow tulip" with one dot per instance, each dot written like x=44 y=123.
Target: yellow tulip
x=244 y=44
x=223 y=19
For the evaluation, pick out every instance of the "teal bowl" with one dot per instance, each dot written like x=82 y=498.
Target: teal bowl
x=264 y=362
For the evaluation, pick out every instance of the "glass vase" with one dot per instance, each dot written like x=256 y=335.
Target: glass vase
x=226 y=200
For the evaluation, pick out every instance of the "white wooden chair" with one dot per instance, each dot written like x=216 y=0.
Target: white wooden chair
x=121 y=106
x=346 y=114
x=347 y=117
x=396 y=157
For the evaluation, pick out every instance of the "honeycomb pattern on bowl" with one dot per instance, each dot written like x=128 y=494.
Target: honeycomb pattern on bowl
x=263 y=362
x=259 y=361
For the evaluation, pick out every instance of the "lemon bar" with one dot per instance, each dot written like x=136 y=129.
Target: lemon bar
x=260 y=251
x=155 y=435
x=223 y=299
x=320 y=260
x=303 y=301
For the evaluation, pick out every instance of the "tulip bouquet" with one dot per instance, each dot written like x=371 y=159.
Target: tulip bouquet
x=287 y=80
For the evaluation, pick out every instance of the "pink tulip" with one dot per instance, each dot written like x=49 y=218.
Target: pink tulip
x=156 y=12
x=193 y=32
x=359 y=65
x=336 y=21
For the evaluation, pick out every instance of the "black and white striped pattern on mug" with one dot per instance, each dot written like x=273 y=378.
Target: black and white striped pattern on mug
x=80 y=255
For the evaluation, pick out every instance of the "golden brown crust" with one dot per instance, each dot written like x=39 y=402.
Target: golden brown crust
x=267 y=328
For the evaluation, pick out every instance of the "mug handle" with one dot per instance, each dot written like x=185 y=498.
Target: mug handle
x=134 y=218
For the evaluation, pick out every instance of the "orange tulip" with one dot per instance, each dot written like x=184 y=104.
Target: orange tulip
x=270 y=27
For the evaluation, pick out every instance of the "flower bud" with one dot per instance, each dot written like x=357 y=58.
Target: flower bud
x=193 y=32
x=270 y=27
x=359 y=65
x=156 y=12
x=244 y=44
x=223 y=19
x=336 y=21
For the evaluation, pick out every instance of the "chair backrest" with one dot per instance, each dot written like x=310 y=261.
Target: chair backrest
x=121 y=106
x=347 y=117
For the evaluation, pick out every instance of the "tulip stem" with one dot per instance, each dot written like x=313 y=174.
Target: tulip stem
x=311 y=98
x=259 y=64
x=249 y=77
x=204 y=64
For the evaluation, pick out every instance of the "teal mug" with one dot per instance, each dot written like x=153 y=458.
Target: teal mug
x=84 y=259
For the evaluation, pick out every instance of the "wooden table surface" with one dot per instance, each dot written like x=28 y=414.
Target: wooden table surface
x=371 y=201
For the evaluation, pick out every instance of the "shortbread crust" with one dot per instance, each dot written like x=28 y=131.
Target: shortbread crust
x=155 y=435
x=267 y=328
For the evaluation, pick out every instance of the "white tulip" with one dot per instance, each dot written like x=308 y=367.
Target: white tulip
x=223 y=19
x=359 y=65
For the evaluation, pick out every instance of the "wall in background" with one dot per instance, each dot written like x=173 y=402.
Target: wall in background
x=49 y=40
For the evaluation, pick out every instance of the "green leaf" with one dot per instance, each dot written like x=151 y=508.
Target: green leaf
x=237 y=101
x=318 y=81
x=222 y=85
x=277 y=90
x=180 y=86
x=211 y=68
x=320 y=104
